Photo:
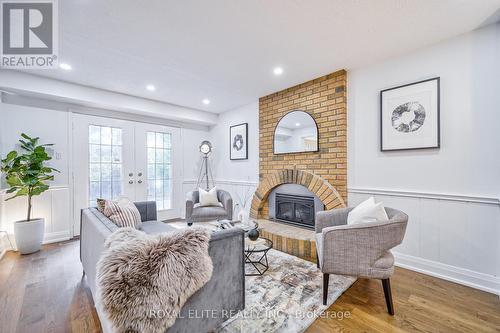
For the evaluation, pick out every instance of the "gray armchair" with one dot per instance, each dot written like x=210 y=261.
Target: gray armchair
x=201 y=214
x=361 y=250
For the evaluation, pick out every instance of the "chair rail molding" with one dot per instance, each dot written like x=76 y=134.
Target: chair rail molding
x=427 y=195
x=451 y=236
x=225 y=182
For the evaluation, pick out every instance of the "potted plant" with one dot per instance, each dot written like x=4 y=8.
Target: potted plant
x=27 y=175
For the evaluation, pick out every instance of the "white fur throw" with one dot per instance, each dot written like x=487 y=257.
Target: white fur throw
x=140 y=276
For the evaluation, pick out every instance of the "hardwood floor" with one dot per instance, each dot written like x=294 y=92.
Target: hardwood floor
x=421 y=304
x=44 y=292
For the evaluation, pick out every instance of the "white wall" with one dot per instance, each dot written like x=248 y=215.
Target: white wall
x=52 y=123
x=224 y=168
x=54 y=205
x=191 y=140
x=451 y=193
x=238 y=177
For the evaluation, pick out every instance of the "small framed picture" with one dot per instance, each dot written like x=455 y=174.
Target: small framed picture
x=238 y=141
x=409 y=116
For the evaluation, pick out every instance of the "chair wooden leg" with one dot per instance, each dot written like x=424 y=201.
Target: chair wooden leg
x=326 y=280
x=386 y=283
x=317 y=259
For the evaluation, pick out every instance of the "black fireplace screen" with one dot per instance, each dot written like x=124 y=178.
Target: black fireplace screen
x=295 y=209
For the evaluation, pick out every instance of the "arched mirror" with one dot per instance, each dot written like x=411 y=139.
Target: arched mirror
x=296 y=132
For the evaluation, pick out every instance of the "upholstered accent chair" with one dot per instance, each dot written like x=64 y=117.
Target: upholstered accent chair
x=361 y=250
x=201 y=214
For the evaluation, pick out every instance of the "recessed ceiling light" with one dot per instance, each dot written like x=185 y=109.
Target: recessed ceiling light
x=206 y=101
x=297 y=124
x=150 y=87
x=278 y=70
x=65 y=66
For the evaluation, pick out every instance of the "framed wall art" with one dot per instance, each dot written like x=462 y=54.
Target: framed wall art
x=238 y=141
x=409 y=116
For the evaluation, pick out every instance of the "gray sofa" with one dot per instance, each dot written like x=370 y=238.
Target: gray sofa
x=224 y=294
x=201 y=214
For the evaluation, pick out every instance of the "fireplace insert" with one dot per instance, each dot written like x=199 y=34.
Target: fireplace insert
x=295 y=209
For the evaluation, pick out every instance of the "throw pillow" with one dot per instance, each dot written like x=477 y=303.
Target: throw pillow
x=367 y=211
x=124 y=214
x=208 y=198
x=100 y=205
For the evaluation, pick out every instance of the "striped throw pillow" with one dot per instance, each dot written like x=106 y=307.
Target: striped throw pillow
x=123 y=215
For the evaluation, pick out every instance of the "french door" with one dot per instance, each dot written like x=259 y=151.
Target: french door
x=116 y=158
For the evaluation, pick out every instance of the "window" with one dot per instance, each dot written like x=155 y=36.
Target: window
x=105 y=163
x=159 y=146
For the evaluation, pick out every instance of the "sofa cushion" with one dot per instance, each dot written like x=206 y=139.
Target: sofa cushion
x=155 y=227
x=147 y=209
x=208 y=212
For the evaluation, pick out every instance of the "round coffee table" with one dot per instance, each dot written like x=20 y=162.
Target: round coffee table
x=256 y=254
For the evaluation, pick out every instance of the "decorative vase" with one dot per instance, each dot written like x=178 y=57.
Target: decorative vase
x=243 y=216
x=29 y=235
x=253 y=234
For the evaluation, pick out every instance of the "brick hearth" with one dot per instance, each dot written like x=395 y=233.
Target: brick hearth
x=289 y=239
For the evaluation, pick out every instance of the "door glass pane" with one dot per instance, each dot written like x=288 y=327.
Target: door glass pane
x=105 y=163
x=159 y=169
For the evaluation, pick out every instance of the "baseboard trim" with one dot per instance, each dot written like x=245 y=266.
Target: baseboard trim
x=54 y=237
x=48 y=238
x=476 y=280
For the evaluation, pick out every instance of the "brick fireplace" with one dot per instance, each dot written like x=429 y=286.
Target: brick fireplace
x=324 y=172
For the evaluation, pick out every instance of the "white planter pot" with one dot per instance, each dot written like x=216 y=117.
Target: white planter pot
x=29 y=235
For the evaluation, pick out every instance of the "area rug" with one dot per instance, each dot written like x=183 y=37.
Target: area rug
x=287 y=298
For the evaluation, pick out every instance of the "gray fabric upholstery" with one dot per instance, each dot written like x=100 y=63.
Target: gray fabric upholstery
x=208 y=213
x=155 y=227
x=319 y=246
x=201 y=214
x=360 y=249
x=330 y=218
x=147 y=209
x=226 y=289
x=224 y=293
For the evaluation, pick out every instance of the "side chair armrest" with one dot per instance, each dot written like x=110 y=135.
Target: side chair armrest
x=227 y=201
x=329 y=218
x=369 y=241
x=189 y=204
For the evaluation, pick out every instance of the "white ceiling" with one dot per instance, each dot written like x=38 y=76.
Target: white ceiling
x=225 y=50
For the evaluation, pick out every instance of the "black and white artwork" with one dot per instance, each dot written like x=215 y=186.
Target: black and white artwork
x=238 y=142
x=410 y=116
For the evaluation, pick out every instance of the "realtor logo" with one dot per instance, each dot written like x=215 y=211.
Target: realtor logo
x=29 y=34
